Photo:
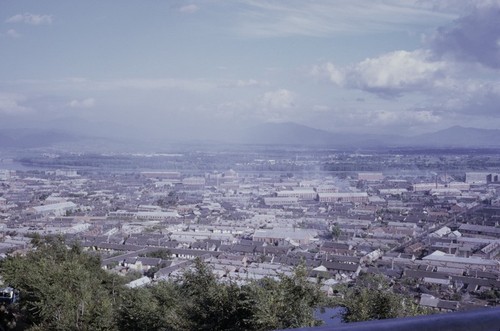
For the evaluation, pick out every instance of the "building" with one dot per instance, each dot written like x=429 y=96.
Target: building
x=326 y=189
x=459 y=186
x=66 y=173
x=371 y=176
x=280 y=201
x=156 y=215
x=278 y=236
x=56 y=209
x=492 y=178
x=194 y=182
x=423 y=187
x=355 y=197
x=162 y=174
x=301 y=194
x=6 y=174
x=393 y=191
x=476 y=177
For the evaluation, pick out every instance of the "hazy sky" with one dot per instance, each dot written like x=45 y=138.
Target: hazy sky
x=160 y=68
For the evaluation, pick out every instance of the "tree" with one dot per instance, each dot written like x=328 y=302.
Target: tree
x=61 y=288
x=336 y=231
x=9 y=314
x=371 y=298
x=212 y=305
x=151 y=308
x=286 y=303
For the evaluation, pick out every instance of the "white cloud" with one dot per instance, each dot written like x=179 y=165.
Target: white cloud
x=391 y=74
x=330 y=71
x=189 y=9
x=396 y=72
x=459 y=7
x=406 y=118
x=140 y=84
x=11 y=33
x=28 y=18
x=454 y=78
x=320 y=108
x=276 y=106
x=85 y=103
x=473 y=97
x=324 y=17
x=378 y=120
x=10 y=104
x=238 y=110
x=279 y=99
x=156 y=84
x=244 y=83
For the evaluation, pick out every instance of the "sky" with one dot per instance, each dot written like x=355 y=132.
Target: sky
x=207 y=68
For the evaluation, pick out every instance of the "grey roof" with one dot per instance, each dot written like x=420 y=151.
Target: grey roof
x=425 y=274
x=446 y=304
x=340 y=266
x=152 y=261
x=168 y=270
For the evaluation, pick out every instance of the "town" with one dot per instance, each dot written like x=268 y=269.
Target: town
x=428 y=221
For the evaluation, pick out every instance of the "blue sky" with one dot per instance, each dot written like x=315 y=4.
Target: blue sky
x=206 y=68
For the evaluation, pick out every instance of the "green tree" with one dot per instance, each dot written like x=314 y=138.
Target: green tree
x=213 y=305
x=371 y=298
x=335 y=232
x=151 y=308
x=286 y=303
x=61 y=288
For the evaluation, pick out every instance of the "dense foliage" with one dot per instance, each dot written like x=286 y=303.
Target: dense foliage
x=61 y=288
x=64 y=288
x=371 y=298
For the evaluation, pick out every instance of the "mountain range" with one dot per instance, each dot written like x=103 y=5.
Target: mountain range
x=296 y=134
x=268 y=134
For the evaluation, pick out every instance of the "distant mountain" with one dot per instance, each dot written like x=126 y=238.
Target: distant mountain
x=296 y=134
x=29 y=138
x=458 y=136
x=263 y=134
x=285 y=134
x=13 y=139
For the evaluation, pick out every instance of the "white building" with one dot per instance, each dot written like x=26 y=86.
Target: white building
x=282 y=235
x=194 y=181
x=393 y=191
x=476 y=177
x=356 y=197
x=301 y=194
x=66 y=173
x=156 y=215
x=371 y=176
x=57 y=209
x=280 y=201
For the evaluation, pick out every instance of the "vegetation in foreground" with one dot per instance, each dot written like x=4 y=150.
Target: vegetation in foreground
x=65 y=288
